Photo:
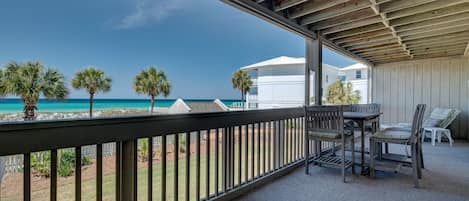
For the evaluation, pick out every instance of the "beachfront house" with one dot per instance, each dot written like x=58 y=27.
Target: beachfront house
x=417 y=52
x=279 y=82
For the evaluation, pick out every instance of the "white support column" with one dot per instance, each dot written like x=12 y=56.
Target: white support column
x=314 y=63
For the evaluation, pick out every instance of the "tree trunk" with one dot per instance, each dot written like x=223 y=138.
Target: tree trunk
x=152 y=104
x=242 y=100
x=29 y=110
x=91 y=104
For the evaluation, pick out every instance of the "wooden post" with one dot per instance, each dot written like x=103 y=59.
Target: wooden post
x=314 y=63
x=129 y=170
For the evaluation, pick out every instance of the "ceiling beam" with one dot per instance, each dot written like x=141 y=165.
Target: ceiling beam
x=431 y=39
x=372 y=44
x=368 y=40
x=343 y=19
x=441 y=32
x=437 y=54
x=439 y=43
x=442 y=12
x=271 y=16
x=284 y=4
x=400 y=4
x=423 y=8
x=381 y=32
x=433 y=22
x=338 y=10
x=356 y=31
x=385 y=21
x=312 y=6
x=450 y=25
x=383 y=50
x=376 y=47
x=363 y=22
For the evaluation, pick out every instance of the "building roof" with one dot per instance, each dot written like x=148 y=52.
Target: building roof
x=280 y=62
x=354 y=67
x=198 y=107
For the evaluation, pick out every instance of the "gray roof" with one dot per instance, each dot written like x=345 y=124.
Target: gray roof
x=198 y=107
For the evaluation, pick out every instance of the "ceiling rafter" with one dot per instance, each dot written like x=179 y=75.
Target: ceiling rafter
x=385 y=21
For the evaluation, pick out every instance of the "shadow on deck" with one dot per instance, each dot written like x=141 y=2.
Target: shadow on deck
x=445 y=178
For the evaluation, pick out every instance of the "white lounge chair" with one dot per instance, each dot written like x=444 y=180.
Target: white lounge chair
x=436 y=125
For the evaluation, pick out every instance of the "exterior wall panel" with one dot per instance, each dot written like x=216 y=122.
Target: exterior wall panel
x=439 y=82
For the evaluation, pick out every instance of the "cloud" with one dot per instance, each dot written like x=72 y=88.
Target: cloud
x=148 y=12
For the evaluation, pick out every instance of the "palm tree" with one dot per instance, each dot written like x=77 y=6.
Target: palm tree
x=241 y=80
x=93 y=81
x=152 y=82
x=31 y=80
x=340 y=93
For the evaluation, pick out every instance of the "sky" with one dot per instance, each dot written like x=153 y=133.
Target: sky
x=198 y=43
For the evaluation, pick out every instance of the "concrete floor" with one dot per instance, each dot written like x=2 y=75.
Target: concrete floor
x=446 y=178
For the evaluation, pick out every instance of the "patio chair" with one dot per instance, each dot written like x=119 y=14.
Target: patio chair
x=372 y=107
x=403 y=137
x=436 y=125
x=441 y=128
x=326 y=123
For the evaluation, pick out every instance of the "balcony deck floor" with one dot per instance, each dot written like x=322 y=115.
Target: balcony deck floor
x=445 y=178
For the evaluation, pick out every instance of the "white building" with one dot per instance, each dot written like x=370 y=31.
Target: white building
x=279 y=82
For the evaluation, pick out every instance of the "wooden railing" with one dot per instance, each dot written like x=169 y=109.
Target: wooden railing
x=215 y=156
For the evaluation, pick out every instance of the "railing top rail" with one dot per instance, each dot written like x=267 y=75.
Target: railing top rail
x=25 y=137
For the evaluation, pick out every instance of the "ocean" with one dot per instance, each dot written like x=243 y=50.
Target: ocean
x=12 y=105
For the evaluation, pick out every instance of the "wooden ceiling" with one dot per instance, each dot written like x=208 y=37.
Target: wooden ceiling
x=379 y=31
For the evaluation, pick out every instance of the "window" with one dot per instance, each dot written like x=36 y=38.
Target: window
x=358 y=74
x=253 y=91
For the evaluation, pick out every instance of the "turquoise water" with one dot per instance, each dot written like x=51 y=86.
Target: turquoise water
x=71 y=105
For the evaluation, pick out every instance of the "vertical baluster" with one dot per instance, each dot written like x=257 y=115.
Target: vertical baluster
x=232 y=136
x=217 y=142
x=258 y=149
x=252 y=150
x=53 y=175
x=246 y=142
x=292 y=129
x=150 y=169
x=197 y=173
x=228 y=157
x=207 y=165
x=274 y=144
x=176 y=166
x=224 y=161
x=288 y=140
x=284 y=142
x=264 y=146
x=231 y=154
x=240 y=131
x=118 y=170
x=269 y=145
x=163 y=167
x=27 y=177
x=77 y=173
x=99 y=172
x=188 y=153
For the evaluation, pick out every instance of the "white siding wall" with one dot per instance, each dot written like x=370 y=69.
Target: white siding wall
x=441 y=82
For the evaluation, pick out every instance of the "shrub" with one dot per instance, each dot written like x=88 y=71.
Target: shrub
x=66 y=163
x=86 y=161
x=40 y=163
x=143 y=150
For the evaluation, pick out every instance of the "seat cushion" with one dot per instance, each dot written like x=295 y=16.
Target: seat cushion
x=324 y=134
x=330 y=135
x=392 y=134
x=431 y=122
